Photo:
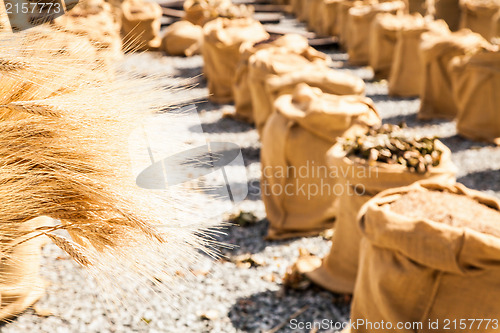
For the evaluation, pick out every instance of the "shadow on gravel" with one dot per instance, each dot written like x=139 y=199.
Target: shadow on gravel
x=488 y=180
x=457 y=143
x=224 y=125
x=286 y=308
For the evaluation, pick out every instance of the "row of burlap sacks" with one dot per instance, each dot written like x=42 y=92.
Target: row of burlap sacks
x=185 y=37
x=422 y=57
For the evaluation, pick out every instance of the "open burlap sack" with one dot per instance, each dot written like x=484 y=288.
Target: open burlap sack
x=423 y=271
x=272 y=62
x=241 y=87
x=436 y=96
x=447 y=10
x=141 y=24
x=20 y=282
x=330 y=81
x=406 y=77
x=361 y=182
x=360 y=21
x=200 y=12
x=297 y=187
x=382 y=42
x=182 y=39
x=476 y=86
x=478 y=15
x=329 y=21
x=222 y=39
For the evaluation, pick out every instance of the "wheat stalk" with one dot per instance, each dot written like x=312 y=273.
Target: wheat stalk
x=74 y=250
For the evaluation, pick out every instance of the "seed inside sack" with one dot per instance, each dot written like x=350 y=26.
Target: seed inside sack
x=455 y=210
x=388 y=144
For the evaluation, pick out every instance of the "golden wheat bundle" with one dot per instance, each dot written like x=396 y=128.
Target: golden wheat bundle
x=64 y=136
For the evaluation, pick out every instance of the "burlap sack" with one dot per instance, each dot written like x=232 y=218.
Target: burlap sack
x=436 y=96
x=360 y=183
x=406 y=77
x=200 y=12
x=222 y=39
x=419 y=270
x=20 y=283
x=478 y=15
x=296 y=7
x=495 y=25
x=303 y=15
x=382 y=42
x=328 y=80
x=449 y=11
x=241 y=88
x=416 y=6
x=476 y=81
x=272 y=62
x=297 y=188
x=314 y=21
x=343 y=21
x=360 y=21
x=329 y=21
x=141 y=24
x=182 y=39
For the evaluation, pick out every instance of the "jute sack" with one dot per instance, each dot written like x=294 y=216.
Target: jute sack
x=406 y=77
x=383 y=38
x=182 y=39
x=141 y=24
x=222 y=39
x=296 y=7
x=329 y=21
x=328 y=80
x=200 y=12
x=449 y=11
x=303 y=15
x=272 y=62
x=478 y=15
x=297 y=187
x=360 y=21
x=20 y=282
x=416 y=6
x=241 y=88
x=343 y=20
x=314 y=21
x=421 y=270
x=476 y=85
x=361 y=182
x=436 y=96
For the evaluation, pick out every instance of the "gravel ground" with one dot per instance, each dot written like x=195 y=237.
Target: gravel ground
x=223 y=297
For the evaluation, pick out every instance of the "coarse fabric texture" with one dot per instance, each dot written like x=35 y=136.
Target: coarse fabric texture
x=343 y=20
x=383 y=38
x=416 y=6
x=222 y=39
x=200 y=12
x=449 y=11
x=476 y=86
x=361 y=182
x=436 y=96
x=407 y=71
x=314 y=22
x=141 y=24
x=183 y=38
x=478 y=16
x=297 y=186
x=329 y=21
x=273 y=62
x=360 y=21
x=20 y=282
x=420 y=270
x=241 y=86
